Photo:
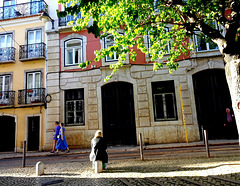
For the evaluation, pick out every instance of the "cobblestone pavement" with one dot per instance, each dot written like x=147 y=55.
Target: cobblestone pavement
x=220 y=169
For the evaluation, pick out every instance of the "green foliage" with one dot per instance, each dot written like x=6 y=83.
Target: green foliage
x=147 y=20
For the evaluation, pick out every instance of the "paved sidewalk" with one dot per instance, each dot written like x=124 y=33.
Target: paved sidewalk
x=9 y=155
x=186 y=169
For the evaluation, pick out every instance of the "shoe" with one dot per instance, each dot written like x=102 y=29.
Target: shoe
x=56 y=152
x=68 y=150
x=52 y=151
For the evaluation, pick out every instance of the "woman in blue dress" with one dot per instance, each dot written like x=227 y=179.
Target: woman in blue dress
x=62 y=143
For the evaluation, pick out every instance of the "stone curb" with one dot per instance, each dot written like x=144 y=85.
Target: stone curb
x=115 y=150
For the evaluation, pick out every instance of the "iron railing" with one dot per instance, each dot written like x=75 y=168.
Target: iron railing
x=30 y=96
x=36 y=50
x=7 y=98
x=23 y=9
x=7 y=54
x=63 y=21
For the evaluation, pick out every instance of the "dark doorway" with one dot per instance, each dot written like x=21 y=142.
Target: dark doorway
x=33 y=133
x=119 y=126
x=211 y=97
x=7 y=136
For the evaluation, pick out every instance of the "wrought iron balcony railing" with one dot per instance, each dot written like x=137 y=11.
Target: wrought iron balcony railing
x=7 y=98
x=30 y=51
x=23 y=9
x=7 y=54
x=63 y=21
x=30 y=96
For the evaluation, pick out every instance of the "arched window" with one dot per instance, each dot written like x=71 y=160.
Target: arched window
x=73 y=52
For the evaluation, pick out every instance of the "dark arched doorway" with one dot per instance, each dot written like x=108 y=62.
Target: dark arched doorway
x=119 y=126
x=7 y=137
x=211 y=97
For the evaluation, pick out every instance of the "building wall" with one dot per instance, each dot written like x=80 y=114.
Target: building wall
x=139 y=73
x=18 y=69
x=141 y=76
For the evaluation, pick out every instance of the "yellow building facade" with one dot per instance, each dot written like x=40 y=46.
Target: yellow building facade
x=22 y=75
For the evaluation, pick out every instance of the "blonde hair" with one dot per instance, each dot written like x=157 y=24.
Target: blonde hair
x=98 y=134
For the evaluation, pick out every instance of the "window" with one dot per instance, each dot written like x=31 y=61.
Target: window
x=164 y=100
x=168 y=46
x=203 y=43
x=110 y=41
x=4 y=89
x=33 y=41
x=6 y=52
x=33 y=90
x=74 y=107
x=63 y=21
x=9 y=9
x=73 y=52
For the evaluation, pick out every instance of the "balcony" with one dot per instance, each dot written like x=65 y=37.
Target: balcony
x=63 y=21
x=7 y=54
x=31 y=96
x=32 y=51
x=7 y=98
x=23 y=9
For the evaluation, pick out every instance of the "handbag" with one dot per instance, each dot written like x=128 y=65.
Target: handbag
x=58 y=136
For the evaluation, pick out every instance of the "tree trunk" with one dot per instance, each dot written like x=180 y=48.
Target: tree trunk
x=233 y=80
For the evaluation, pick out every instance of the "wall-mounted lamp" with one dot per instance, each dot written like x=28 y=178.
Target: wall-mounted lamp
x=46 y=18
x=48 y=99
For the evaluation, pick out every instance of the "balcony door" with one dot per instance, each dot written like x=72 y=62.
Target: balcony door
x=33 y=92
x=34 y=40
x=4 y=89
x=9 y=9
x=5 y=47
x=36 y=6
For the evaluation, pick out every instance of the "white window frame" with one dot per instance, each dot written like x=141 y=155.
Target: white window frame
x=168 y=47
x=35 y=95
x=106 y=62
x=84 y=50
x=4 y=82
x=6 y=48
x=147 y=43
x=108 y=44
x=196 y=37
x=6 y=44
x=78 y=49
x=34 y=79
x=5 y=96
x=33 y=48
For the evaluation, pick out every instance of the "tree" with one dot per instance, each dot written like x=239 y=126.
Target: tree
x=141 y=18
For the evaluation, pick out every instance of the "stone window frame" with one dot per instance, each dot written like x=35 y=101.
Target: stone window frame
x=164 y=94
x=10 y=79
x=195 y=39
x=110 y=62
x=84 y=50
x=12 y=35
x=79 y=49
x=81 y=90
x=147 y=45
